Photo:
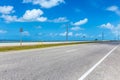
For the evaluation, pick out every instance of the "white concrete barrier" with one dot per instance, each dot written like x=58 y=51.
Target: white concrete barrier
x=33 y=43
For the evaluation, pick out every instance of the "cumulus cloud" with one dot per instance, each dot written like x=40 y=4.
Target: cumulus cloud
x=3 y=31
x=70 y=34
x=76 y=28
x=59 y=20
x=45 y=3
x=25 y=33
x=78 y=24
x=81 y=22
x=107 y=26
x=29 y=16
x=33 y=15
x=53 y=34
x=114 y=9
x=80 y=34
x=64 y=34
x=114 y=29
x=9 y=18
x=6 y=9
x=6 y=12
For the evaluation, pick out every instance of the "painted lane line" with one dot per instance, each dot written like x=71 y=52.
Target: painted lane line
x=71 y=50
x=98 y=63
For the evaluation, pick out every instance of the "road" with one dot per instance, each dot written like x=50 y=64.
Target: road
x=93 y=61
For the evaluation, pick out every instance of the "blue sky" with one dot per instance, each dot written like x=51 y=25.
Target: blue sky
x=47 y=19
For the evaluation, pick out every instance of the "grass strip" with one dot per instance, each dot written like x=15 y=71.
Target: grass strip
x=25 y=47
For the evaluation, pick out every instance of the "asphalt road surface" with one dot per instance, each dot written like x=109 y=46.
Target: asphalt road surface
x=94 y=61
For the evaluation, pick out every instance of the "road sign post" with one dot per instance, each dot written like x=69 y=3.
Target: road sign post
x=102 y=36
x=21 y=30
x=66 y=32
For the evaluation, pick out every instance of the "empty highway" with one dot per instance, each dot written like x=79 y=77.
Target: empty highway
x=93 y=61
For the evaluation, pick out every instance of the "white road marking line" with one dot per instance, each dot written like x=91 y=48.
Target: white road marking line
x=71 y=50
x=98 y=63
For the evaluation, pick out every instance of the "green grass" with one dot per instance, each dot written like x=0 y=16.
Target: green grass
x=12 y=48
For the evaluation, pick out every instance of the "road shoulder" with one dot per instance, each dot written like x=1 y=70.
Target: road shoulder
x=109 y=69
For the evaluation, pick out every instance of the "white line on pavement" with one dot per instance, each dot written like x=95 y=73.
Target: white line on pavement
x=71 y=50
x=98 y=63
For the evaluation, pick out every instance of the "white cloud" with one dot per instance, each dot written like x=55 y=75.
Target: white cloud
x=9 y=18
x=33 y=15
x=81 y=22
x=76 y=28
x=114 y=29
x=53 y=34
x=64 y=34
x=6 y=9
x=108 y=26
x=45 y=3
x=3 y=31
x=6 y=12
x=114 y=9
x=59 y=20
x=80 y=34
x=42 y=19
x=70 y=34
x=25 y=33
x=29 y=16
x=99 y=35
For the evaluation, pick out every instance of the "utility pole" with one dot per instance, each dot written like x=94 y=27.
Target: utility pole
x=118 y=36
x=66 y=32
x=102 y=36
x=21 y=30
